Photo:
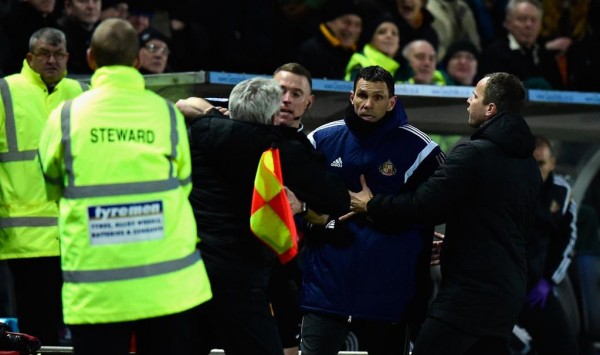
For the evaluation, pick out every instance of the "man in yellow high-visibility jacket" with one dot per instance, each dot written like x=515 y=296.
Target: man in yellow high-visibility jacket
x=118 y=158
x=28 y=220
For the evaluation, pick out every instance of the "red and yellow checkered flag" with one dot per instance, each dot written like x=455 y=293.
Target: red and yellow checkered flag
x=271 y=218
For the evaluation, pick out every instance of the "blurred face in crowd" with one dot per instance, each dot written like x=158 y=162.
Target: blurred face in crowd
x=478 y=111
x=139 y=21
x=462 y=67
x=546 y=161
x=119 y=10
x=422 y=59
x=387 y=38
x=346 y=28
x=524 y=23
x=371 y=100
x=44 y=6
x=154 y=56
x=409 y=10
x=296 y=98
x=49 y=61
x=85 y=11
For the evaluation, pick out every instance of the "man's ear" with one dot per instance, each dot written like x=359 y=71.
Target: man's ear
x=29 y=58
x=491 y=109
x=91 y=59
x=392 y=103
x=351 y=96
x=137 y=63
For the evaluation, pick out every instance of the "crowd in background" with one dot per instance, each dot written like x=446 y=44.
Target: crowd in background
x=560 y=42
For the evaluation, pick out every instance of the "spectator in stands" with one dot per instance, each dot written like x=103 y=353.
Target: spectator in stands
x=154 y=51
x=414 y=22
x=327 y=53
x=20 y=23
x=80 y=19
x=520 y=52
x=422 y=61
x=28 y=219
x=567 y=32
x=549 y=253
x=485 y=192
x=114 y=9
x=460 y=63
x=383 y=43
x=139 y=15
x=489 y=16
x=371 y=279
x=453 y=21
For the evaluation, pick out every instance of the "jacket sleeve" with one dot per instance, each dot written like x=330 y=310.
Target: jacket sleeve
x=308 y=178
x=50 y=153
x=562 y=245
x=432 y=199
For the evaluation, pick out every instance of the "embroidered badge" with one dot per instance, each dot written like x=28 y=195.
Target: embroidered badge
x=388 y=168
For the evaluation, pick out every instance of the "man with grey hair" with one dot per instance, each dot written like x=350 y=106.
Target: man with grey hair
x=28 y=220
x=225 y=155
x=520 y=52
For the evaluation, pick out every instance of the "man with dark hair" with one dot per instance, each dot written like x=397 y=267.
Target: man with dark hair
x=80 y=19
x=118 y=159
x=28 y=219
x=360 y=276
x=486 y=193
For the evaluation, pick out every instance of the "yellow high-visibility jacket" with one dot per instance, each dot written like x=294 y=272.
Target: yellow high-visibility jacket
x=118 y=158
x=28 y=220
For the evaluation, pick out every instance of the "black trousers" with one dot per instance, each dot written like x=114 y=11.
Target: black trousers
x=439 y=338
x=239 y=320
x=37 y=286
x=324 y=334
x=549 y=328
x=171 y=334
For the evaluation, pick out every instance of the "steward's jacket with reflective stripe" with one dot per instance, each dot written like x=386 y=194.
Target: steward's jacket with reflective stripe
x=374 y=271
x=28 y=220
x=118 y=158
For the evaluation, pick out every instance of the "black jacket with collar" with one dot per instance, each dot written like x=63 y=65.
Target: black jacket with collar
x=485 y=192
x=225 y=155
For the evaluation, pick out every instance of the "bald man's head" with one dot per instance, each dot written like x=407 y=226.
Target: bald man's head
x=114 y=42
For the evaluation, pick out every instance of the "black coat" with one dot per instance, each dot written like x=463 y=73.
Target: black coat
x=486 y=193
x=225 y=155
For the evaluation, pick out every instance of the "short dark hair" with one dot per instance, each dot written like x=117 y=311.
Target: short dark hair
x=115 y=42
x=297 y=69
x=506 y=91
x=376 y=73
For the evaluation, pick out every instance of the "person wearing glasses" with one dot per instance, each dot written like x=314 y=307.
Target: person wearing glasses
x=154 y=52
x=28 y=220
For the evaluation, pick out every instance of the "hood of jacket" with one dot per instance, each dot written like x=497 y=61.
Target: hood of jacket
x=510 y=132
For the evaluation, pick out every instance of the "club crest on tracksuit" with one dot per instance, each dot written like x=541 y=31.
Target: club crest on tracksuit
x=388 y=168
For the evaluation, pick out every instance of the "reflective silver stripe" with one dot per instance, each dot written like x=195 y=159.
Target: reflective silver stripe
x=84 y=86
x=12 y=222
x=65 y=124
x=135 y=272
x=185 y=181
x=17 y=156
x=72 y=191
x=174 y=135
x=11 y=130
x=131 y=188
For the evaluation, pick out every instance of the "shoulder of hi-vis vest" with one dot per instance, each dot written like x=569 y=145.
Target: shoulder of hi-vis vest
x=127 y=230
x=28 y=220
